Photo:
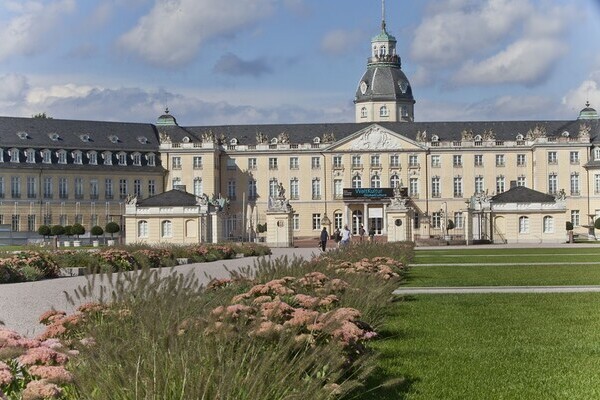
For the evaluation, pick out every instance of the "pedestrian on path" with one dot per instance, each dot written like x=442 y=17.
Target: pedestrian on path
x=324 y=238
x=345 y=236
x=337 y=236
x=372 y=234
x=362 y=232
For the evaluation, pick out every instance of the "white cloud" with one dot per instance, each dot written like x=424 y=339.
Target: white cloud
x=525 y=62
x=588 y=90
x=174 y=30
x=340 y=41
x=14 y=88
x=32 y=27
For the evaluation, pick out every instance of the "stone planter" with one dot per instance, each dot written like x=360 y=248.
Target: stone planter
x=182 y=261
x=110 y=242
x=66 y=243
x=77 y=243
x=95 y=243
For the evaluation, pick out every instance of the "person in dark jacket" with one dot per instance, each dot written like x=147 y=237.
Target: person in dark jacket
x=324 y=238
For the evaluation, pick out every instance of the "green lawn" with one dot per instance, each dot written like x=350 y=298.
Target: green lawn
x=493 y=346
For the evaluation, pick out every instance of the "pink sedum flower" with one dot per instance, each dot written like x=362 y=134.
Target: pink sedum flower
x=41 y=390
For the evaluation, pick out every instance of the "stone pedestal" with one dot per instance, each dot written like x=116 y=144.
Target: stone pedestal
x=215 y=230
x=399 y=225
x=279 y=222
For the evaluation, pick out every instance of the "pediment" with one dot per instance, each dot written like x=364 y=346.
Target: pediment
x=376 y=138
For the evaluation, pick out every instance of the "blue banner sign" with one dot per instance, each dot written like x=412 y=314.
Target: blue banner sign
x=367 y=193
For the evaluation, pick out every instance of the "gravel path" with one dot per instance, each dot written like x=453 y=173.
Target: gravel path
x=496 y=289
x=21 y=304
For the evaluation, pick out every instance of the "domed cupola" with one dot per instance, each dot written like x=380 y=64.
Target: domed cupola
x=588 y=112
x=166 y=119
x=384 y=93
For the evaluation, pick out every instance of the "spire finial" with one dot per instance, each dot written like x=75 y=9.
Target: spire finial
x=383 y=15
x=587 y=103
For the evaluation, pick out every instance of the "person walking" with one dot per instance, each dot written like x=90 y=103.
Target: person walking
x=371 y=234
x=345 y=236
x=361 y=233
x=337 y=236
x=324 y=238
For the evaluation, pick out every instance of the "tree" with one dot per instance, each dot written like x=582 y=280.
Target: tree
x=569 y=226
x=77 y=230
x=57 y=230
x=68 y=230
x=112 y=228
x=450 y=225
x=597 y=223
x=41 y=115
x=44 y=230
x=261 y=228
x=97 y=231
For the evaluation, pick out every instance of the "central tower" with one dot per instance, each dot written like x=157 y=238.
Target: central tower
x=384 y=93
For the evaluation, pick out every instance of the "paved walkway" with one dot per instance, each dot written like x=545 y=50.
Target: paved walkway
x=523 y=264
x=21 y=304
x=496 y=289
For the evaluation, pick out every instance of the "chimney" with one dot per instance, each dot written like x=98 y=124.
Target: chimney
x=513 y=184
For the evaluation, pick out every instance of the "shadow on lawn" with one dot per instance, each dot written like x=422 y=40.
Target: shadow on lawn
x=382 y=386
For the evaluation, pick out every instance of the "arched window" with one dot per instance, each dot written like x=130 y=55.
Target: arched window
x=356 y=182
x=548 y=224
x=523 y=225
x=394 y=180
x=166 y=229
x=382 y=50
x=357 y=221
x=375 y=181
x=363 y=112
x=143 y=229
x=383 y=111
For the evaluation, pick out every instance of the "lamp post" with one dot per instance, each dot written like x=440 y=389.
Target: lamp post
x=444 y=212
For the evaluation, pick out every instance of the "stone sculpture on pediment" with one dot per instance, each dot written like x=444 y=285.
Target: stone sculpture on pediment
x=561 y=195
x=131 y=199
x=261 y=138
x=421 y=136
x=283 y=138
x=328 y=137
x=202 y=200
x=536 y=133
x=488 y=135
x=375 y=138
x=584 y=131
x=165 y=138
x=222 y=139
x=208 y=136
x=467 y=135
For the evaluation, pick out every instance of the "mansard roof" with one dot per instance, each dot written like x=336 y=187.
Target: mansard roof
x=522 y=194
x=79 y=134
x=171 y=198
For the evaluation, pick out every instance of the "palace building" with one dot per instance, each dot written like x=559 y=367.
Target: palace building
x=459 y=179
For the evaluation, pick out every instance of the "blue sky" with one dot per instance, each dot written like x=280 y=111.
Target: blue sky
x=290 y=61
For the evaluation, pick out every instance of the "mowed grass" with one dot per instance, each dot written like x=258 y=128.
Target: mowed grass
x=500 y=346
x=493 y=346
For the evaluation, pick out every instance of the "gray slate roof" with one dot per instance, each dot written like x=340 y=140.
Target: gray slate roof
x=522 y=194
x=171 y=198
x=70 y=132
x=384 y=85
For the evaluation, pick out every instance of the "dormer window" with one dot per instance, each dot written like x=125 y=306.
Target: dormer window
x=54 y=136
x=14 y=155
x=113 y=138
x=85 y=138
x=274 y=141
x=107 y=155
x=520 y=138
x=565 y=134
x=383 y=111
x=137 y=159
x=185 y=139
x=151 y=157
x=30 y=155
x=233 y=142
x=122 y=158
x=363 y=112
x=46 y=156
x=62 y=156
x=597 y=153
x=77 y=157
x=92 y=157
x=22 y=135
x=142 y=139
x=435 y=138
x=317 y=140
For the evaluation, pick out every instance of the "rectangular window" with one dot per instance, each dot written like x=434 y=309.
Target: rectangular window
x=122 y=188
x=413 y=187
x=108 y=189
x=436 y=161
x=521 y=160
x=198 y=189
x=176 y=163
x=294 y=163
x=574 y=157
x=338 y=190
x=337 y=161
x=151 y=159
x=521 y=181
x=356 y=161
x=315 y=162
x=107 y=158
x=575 y=184
x=122 y=159
x=47 y=187
x=548 y=224
x=137 y=188
x=294 y=189
x=78 y=188
x=252 y=164
x=31 y=225
x=46 y=157
x=500 y=184
x=458 y=186
x=137 y=159
x=552 y=184
x=272 y=163
x=231 y=189
x=413 y=160
x=435 y=186
x=552 y=157
x=479 y=186
x=197 y=162
x=478 y=159
x=93 y=158
x=16 y=222
x=523 y=225
x=596 y=183
x=31 y=187
x=337 y=220
x=151 y=187
x=436 y=220
x=316 y=221
x=457 y=160
x=273 y=188
x=63 y=188
x=394 y=161
x=15 y=187
x=375 y=161
x=252 y=189
x=575 y=217
x=316 y=189
x=94 y=192
x=62 y=157
x=30 y=154
x=459 y=221
x=499 y=160
x=296 y=222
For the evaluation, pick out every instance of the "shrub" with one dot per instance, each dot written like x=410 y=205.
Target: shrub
x=68 y=230
x=97 y=231
x=569 y=226
x=78 y=229
x=597 y=224
x=44 y=230
x=57 y=230
x=112 y=228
